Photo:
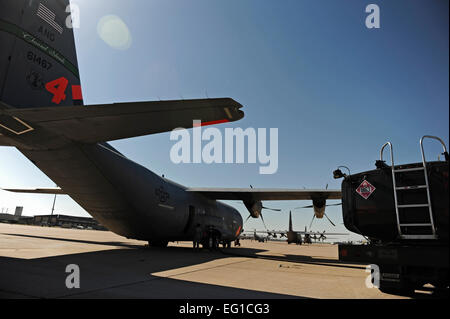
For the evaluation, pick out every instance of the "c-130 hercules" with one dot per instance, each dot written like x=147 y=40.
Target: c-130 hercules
x=43 y=116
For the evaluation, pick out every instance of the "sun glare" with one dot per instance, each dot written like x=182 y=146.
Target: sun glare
x=114 y=32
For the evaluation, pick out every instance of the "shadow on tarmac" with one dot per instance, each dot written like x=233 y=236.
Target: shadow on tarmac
x=301 y=259
x=126 y=272
x=424 y=293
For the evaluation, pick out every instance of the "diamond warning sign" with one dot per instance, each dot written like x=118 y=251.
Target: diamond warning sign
x=365 y=189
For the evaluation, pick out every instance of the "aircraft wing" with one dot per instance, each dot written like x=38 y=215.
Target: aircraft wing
x=48 y=191
x=255 y=194
x=243 y=194
x=101 y=123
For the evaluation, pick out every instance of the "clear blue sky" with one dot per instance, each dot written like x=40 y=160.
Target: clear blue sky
x=335 y=89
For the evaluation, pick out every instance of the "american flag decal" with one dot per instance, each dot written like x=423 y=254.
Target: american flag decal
x=48 y=16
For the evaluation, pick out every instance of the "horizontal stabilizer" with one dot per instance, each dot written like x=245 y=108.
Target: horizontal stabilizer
x=48 y=191
x=102 y=123
x=249 y=194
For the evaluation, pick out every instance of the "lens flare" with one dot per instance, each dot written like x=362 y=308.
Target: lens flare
x=114 y=32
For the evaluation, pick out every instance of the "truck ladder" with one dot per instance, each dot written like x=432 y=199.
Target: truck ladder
x=426 y=186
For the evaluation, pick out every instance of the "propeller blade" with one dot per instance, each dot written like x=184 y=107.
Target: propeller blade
x=273 y=209
x=329 y=220
x=339 y=204
x=312 y=206
x=309 y=206
x=247 y=218
x=314 y=216
x=262 y=218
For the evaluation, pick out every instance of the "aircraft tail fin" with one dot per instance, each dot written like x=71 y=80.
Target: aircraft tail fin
x=290 y=221
x=39 y=70
x=38 y=61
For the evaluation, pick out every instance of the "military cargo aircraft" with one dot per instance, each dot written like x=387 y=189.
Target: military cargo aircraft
x=254 y=236
x=42 y=114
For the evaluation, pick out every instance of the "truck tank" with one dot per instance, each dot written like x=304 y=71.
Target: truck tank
x=399 y=202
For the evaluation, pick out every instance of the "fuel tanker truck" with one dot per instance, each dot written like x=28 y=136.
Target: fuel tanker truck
x=403 y=212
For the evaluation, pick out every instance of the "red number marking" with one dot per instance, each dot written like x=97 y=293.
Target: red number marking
x=76 y=92
x=57 y=88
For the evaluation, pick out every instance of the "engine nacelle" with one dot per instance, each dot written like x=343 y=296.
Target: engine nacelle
x=254 y=208
x=319 y=207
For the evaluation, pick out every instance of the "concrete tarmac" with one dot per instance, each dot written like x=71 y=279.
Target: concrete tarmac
x=33 y=263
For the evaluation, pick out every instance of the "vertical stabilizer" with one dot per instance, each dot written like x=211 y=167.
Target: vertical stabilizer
x=38 y=61
x=290 y=221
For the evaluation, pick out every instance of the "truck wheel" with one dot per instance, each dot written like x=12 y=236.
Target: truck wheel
x=406 y=292
x=211 y=243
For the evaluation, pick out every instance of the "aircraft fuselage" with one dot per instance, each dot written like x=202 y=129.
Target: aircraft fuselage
x=129 y=199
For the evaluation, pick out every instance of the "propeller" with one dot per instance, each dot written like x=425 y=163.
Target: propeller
x=314 y=215
x=312 y=206
x=310 y=225
x=256 y=208
x=329 y=220
x=272 y=209
x=247 y=218
x=262 y=218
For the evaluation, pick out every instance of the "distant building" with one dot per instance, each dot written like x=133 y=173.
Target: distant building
x=66 y=222
x=19 y=211
x=49 y=220
x=8 y=218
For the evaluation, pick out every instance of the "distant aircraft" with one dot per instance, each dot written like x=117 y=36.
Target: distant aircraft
x=254 y=236
x=295 y=237
x=42 y=114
